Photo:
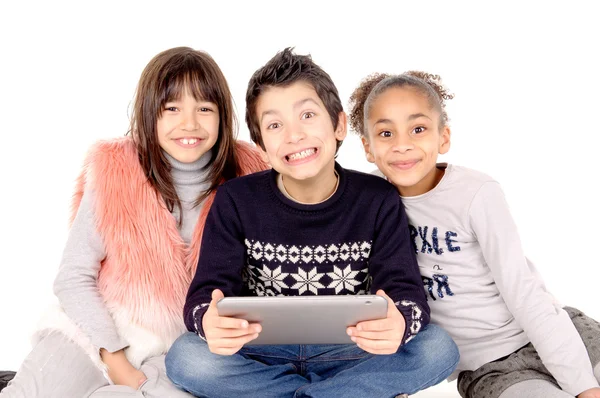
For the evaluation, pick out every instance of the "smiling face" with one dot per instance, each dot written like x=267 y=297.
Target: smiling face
x=404 y=139
x=188 y=128
x=297 y=132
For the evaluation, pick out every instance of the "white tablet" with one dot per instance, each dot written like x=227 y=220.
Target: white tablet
x=304 y=319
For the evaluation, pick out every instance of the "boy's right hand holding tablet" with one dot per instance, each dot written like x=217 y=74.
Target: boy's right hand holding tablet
x=226 y=335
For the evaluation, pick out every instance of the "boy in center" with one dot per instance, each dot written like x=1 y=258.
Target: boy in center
x=306 y=227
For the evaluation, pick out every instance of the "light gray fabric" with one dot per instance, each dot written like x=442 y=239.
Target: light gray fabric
x=59 y=368
x=157 y=386
x=534 y=389
x=55 y=368
x=76 y=284
x=190 y=181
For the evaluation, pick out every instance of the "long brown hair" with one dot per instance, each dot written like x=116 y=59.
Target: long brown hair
x=165 y=78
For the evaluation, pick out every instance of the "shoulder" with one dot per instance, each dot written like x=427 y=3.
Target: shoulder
x=106 y=154
x=113 y=146
x=467 y=182
x=371 y=194
x=469 y=175
x=249 y=158
x=111 y=157
x=369 y=183
x=249 y=184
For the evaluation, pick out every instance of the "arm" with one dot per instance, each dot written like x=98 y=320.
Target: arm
x=76 y=287
x=548 y=328
x=396 y=276
x=394 y=267
x=76 y=284
x=219 y=274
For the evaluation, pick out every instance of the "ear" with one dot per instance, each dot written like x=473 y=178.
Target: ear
x=444 y=140
x=367 y=147
x=342 y=127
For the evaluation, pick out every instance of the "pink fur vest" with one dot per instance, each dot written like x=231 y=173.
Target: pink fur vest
x=148 y=267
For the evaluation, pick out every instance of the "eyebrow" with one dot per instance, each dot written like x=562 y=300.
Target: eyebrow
x=296 y=105
x=410 y=118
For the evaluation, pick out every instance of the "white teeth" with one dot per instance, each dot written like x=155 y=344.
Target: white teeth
x=301 y=155
x=191 y=141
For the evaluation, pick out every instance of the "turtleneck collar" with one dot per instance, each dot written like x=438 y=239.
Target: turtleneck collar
x=189 y=173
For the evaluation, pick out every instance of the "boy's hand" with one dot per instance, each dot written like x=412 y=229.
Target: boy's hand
x=225 y=335
x=591 y=393
x=380 y=336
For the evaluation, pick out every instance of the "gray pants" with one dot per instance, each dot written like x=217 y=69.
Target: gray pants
x=59 y=368
x=522 y=373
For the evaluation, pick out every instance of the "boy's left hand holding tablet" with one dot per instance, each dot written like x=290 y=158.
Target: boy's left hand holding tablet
x=380 y=336
x=226 y=335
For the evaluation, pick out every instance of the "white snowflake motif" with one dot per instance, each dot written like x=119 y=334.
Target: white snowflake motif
x=320 y=254
x=273 y=278
x=257 y=249
x=308 y=281
x=259 y=289
x=269 y=252
x=332 y=253
x=294 y=254
x=343 y=279
x=307 y=254
x=365 y=249
x=281 y=253
x=355 y=251
x=345 y=252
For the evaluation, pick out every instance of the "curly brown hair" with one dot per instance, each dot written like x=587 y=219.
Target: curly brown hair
x=375 y=84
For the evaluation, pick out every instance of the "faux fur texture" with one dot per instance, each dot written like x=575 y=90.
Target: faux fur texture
x=148 y=267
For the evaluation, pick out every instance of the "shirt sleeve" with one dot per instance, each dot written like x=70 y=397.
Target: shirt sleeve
x=393 y=265
x=221 y=260
x=549 y=328
x=76 y=284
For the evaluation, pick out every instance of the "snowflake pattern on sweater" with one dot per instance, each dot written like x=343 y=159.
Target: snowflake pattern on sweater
x=342 y=268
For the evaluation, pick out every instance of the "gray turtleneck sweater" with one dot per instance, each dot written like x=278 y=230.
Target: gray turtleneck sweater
x=76 y=284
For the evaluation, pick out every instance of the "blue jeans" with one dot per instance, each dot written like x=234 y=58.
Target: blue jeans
x=311 y=370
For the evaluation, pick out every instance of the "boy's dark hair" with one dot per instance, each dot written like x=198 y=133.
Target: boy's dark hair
x=374 y=85
x=285 y=69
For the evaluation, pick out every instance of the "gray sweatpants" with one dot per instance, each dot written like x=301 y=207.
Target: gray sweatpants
x=59 y=368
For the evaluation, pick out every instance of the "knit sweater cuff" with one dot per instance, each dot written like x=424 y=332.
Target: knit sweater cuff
x=415 y=318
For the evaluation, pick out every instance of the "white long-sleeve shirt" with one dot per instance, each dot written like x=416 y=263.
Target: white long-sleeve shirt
x=480 y=286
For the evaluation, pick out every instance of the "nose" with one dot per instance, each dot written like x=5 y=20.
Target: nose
x=403 y=143
x=295 y=133
x=189 y=121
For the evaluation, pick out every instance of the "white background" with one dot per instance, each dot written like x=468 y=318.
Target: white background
x=526 y=110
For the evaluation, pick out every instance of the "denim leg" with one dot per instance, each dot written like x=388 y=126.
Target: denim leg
x=425 y=361
x=192 y=367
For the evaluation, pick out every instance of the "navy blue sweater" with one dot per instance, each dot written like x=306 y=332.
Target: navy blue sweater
x=257 y=242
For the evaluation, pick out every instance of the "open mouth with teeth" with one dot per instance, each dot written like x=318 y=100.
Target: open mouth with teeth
x=190 y=142
x=302 y=156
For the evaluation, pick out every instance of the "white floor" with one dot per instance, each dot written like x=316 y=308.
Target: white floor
x=442 y=390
